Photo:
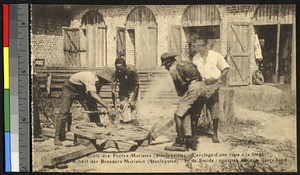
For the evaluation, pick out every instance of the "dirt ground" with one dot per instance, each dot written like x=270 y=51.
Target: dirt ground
x=252 y=141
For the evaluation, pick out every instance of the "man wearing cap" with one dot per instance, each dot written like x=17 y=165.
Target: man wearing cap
x=213 y=68
x=190 y=88
x=128 y=79
x=84 y=87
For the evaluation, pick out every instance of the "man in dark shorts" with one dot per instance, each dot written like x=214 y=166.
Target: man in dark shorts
x=127 y=77
x=191 y=89
x=213 y=69
x=84 y=87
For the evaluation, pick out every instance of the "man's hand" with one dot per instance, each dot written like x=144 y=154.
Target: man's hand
x=109 y=110
x=219 y=81
x=132 y=102
x=210 y=81
x=112 y=113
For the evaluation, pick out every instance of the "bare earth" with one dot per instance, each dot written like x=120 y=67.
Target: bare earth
x=252 y=141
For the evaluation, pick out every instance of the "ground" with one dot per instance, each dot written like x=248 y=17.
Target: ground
x=254 y=140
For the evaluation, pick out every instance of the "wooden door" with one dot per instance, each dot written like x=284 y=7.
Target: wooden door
x=174 y=43
x=121 y=43
x=145 y=47
x=238 y=43
x=71 y=46
x=96 y=46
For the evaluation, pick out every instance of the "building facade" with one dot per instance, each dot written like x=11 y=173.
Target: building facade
x=95 y=35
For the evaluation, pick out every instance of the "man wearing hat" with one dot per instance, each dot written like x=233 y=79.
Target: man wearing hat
x=213 y=68
x=128 y=79
x=190 y=88
x=84 y=87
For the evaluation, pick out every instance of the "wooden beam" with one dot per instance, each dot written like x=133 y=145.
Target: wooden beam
x=66 y=155
x=277 y=46
x=49 y=80
x=293 y=66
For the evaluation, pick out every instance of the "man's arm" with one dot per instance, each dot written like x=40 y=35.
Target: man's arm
x=223 y=74
x=135 y=93
x=99 y=100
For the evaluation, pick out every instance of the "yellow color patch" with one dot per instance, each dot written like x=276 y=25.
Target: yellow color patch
x=6 y=67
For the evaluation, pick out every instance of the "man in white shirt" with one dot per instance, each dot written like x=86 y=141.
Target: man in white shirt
x=213 y=68
x=84 y=87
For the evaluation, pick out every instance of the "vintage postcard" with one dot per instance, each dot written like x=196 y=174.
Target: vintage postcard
x=163 y=88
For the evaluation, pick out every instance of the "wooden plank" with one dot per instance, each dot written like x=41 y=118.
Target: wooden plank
x=98 y=47
x=49 y=78
x=174 y=39
x=238 y=41
x=152 y=52
x=138 y=46
x=121 y=42
x=66 y=155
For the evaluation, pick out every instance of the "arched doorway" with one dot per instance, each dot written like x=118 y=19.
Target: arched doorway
x=273 y=24
x=142 y=29
x=202 y=21
x=94 y=28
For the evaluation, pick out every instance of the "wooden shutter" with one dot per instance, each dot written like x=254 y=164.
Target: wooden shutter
x=71 y=46
x=96 y=46
x=239 y=47
x=174 y=43
x=121 y=42
x=152 y=47
x=145 y=47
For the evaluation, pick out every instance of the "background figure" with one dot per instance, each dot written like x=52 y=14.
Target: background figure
x=213 y=68
x=128 y=79
x=84 y=87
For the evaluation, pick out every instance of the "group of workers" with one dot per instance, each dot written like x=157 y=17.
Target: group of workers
x=192 y=79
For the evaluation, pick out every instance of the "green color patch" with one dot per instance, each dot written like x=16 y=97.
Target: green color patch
x=6 y=110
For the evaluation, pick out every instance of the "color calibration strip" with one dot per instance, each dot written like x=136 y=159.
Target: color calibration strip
x=6 y=87
x=14 y=82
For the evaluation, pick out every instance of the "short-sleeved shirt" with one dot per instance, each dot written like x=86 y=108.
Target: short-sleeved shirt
x=214 y=65
x=86 y=79
x=128 y=80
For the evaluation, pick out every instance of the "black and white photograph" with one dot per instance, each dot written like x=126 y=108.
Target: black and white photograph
x=163 y=88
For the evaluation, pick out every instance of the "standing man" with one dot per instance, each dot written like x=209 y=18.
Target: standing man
x=84 y=87
x=191 y=89
x=128 y=79
x=213 y=68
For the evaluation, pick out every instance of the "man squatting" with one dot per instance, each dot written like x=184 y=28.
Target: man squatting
x=84 y=87
x=191 y=86
x=128 y=79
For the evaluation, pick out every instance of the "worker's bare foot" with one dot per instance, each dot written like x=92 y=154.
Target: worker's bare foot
x=215 y=139
x=57 y=142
